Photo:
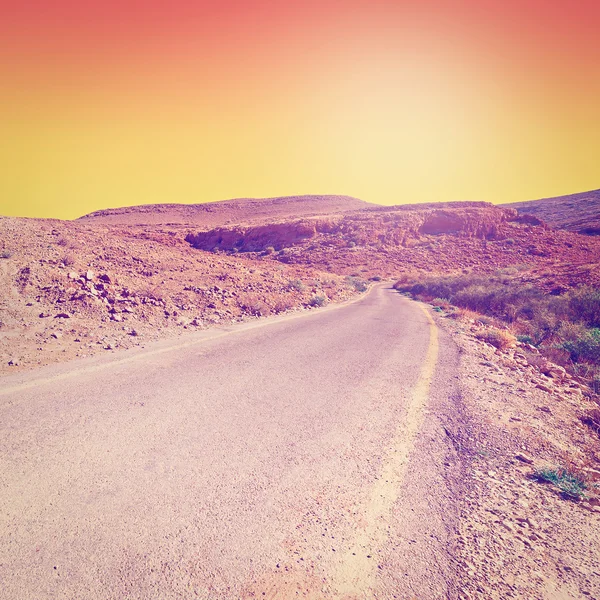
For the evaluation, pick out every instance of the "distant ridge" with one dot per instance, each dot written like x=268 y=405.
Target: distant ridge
x=211 y=214
x=576 y=212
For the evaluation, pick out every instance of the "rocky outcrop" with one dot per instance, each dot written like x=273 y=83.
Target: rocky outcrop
x=253 y=239
x=482 y=223
x=391 y=227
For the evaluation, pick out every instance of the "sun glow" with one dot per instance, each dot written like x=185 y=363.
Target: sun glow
x=391 y=102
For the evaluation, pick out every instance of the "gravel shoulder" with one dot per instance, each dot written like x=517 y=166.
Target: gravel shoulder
x=518 y=538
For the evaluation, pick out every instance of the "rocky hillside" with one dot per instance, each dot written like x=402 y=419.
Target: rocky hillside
x=391 y=226
x=74 y=288
x=383 y=243
x=576 y=212
x=214 y=214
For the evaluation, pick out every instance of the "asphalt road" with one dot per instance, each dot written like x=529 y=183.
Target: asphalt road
x=293 y=458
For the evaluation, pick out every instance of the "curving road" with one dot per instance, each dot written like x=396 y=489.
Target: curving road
x=298 y=457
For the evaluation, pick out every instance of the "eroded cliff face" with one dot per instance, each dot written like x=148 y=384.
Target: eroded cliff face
x=394 y=227
x=254 y=239
x=482 y=223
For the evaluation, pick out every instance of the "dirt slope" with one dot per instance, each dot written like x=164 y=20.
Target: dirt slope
x=68 y=289
x=519 y=538
x=575 y=212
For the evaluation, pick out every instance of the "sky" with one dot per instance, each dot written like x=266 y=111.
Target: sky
x=123 y=102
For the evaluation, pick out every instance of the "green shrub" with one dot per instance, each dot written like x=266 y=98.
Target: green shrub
x=543 y=323
x=484 y=294
x=358 y=284
x=570 y=484
x=585 y=348
x=584 y=303
x=441 y=303
x=476 y=297
x=565 y=327
x=569 y=331
x=296 y=284
x=318 y=301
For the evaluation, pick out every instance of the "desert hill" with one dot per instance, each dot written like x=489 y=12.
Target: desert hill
x=575 y=212
x=426 y=238
x=120 y=277
x=377 y=226
x=239 y=210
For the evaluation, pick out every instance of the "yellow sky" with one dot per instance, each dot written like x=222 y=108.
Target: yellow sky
x=386 y=105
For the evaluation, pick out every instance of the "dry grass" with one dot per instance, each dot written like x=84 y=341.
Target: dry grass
x=317 y=301
x=68 y=259
x=498 y=338
x=252 y=304
x=572 y=485
x=282 y=303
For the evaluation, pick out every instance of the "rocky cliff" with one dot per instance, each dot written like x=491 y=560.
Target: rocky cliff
x=394 y=227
